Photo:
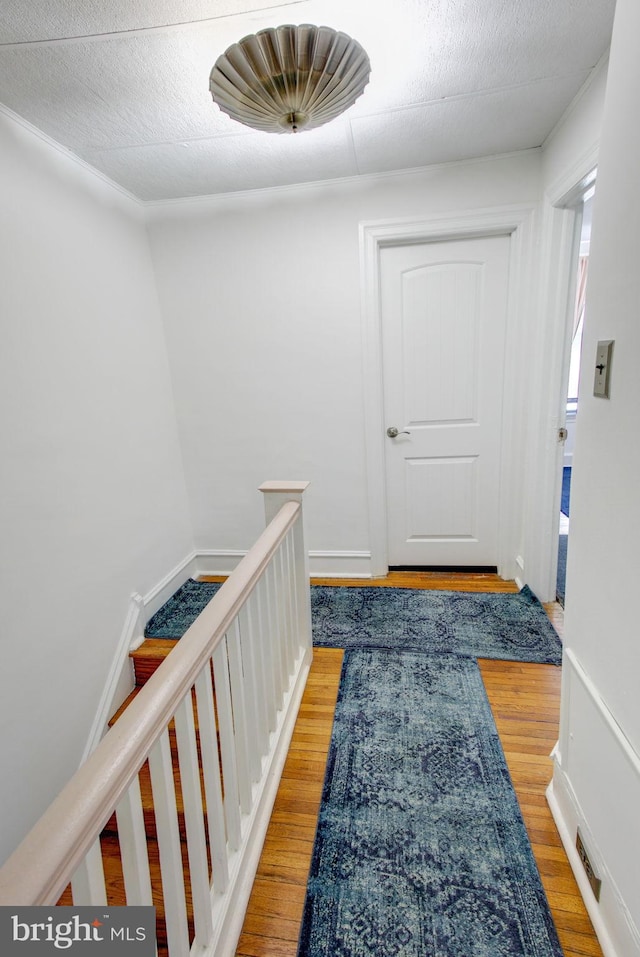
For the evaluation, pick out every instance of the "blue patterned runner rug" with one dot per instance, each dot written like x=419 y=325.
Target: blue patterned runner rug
x=512 y=627
x=421 y=850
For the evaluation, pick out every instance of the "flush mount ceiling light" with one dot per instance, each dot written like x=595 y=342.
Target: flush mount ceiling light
x=289 y=78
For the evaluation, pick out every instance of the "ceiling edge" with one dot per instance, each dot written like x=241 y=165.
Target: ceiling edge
x=69 y=155
x=361 y=179
x=601 y=67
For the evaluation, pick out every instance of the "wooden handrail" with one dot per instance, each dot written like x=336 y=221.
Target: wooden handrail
x=42 y=865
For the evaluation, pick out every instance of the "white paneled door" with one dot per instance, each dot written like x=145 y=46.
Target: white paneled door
x=444 y=312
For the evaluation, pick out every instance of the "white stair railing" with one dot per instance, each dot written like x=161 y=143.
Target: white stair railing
x=230 y=690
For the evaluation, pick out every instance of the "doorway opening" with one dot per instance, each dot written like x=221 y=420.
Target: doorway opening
x=571 y=408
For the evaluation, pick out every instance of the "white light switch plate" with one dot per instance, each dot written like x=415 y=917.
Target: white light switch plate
x=603 y=368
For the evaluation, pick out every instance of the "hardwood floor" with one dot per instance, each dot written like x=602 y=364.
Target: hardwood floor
x=272 y=921
x=525 y=699
x=447 y=581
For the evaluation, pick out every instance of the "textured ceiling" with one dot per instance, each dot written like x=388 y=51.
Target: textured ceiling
x=124 y=84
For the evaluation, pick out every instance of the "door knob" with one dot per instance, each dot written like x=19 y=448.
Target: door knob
x=392 y=432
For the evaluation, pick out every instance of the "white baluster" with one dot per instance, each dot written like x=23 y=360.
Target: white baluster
x=133 y=847
x=286 y=616
x=281 y=590
x=227 y=744
x=293 y=595
x=212 y=783
x=87 y=884
x=238 y=700
x=267 y=653
x=164 y=803
x=256 y=730
x=256 y=633
x=274 y=635
x=194 y=821
x=289 y=595
x=303 y=592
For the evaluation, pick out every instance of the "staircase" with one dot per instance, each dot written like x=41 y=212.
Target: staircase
x=172 y=806
x=146 y=660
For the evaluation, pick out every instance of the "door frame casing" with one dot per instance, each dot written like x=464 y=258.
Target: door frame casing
x=558 y=242
x=517 y=222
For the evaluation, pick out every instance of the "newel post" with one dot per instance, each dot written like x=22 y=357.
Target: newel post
x=276 y=494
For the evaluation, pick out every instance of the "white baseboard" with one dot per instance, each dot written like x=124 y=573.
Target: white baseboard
x=347 y=564
x=596 y=768
x=218 y=561
x=568 y=817
x=120 y=681
x=340 y=564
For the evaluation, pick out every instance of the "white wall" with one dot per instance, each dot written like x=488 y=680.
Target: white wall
x=597 y=776
x=576 y=138
x=93 y=499
x=261 y=301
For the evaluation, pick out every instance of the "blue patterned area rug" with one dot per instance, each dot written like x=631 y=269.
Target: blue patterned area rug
x=420 y=849
x=182 y=609
x=511 y=627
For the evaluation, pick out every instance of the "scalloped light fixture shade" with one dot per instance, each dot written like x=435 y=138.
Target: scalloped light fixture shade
x=289 y=78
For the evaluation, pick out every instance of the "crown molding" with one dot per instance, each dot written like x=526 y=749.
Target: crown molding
x=363 y=180
x=69 y=155
x=601 y=67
